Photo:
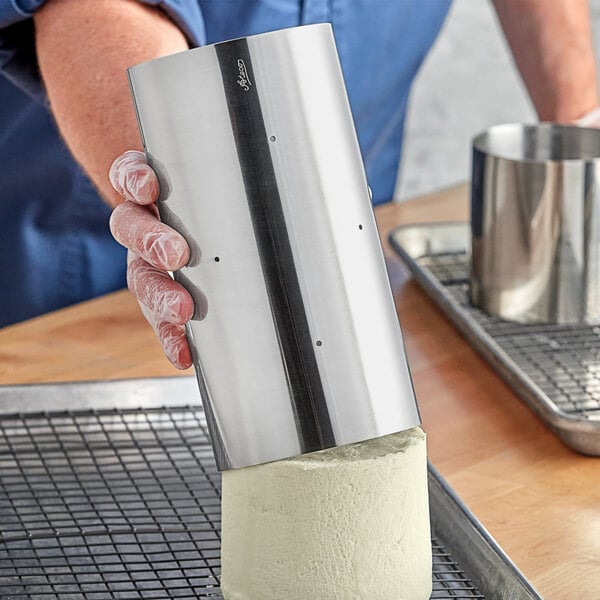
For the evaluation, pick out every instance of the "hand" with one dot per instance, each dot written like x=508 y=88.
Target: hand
x=153 y=249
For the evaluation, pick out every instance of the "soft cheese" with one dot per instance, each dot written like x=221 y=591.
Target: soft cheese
x=350 y=523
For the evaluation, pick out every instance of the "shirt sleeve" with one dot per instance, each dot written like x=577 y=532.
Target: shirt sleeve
x=18 y=61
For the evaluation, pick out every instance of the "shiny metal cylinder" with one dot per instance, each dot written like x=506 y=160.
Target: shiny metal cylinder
x=295 y=338
x=535 y=216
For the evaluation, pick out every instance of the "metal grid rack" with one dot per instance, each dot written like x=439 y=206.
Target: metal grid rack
x=563 y=360
x=554 y=368
x=122 y=504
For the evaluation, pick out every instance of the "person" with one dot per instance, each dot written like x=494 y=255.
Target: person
x=55 y=246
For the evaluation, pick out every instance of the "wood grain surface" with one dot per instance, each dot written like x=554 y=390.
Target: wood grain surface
x=538 y=498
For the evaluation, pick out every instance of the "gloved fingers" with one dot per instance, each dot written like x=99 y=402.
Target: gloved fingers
x=172 y=339
x=137 y=228
x=133 y=178
x=154 y=248
x=166 y=299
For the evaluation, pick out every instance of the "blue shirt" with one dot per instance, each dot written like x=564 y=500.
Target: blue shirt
x=55 y=246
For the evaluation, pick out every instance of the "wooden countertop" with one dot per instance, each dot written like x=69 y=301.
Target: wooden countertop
x=538 y=498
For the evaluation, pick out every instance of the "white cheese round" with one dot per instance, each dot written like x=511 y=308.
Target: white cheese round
x=350 y=523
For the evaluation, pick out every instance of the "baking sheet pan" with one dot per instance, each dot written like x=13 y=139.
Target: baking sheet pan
x=555 y=369
x=109 y=490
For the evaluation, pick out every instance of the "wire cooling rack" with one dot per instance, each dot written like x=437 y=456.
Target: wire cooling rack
x=122 y=504
x=554 y=368
x=563 y=360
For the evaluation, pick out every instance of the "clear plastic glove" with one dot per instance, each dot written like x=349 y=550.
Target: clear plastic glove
x=153 y=249
x=591 y=119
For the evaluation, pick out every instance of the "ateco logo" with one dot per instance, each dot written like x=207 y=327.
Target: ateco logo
x=243 y=79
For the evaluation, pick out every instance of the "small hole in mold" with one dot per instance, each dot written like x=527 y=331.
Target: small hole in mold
x=319 y=343
x=272 y=138
x=217 y=259
x=360 y=227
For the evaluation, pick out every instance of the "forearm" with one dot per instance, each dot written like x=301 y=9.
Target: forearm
x=552 y=45
x=84 y=48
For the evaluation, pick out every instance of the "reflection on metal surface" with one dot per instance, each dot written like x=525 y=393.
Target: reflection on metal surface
x=536 y=223
x=300 y=348
x=554 y=368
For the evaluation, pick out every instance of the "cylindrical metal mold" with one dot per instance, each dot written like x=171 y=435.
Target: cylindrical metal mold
x=295 y=339
x=536 y=223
